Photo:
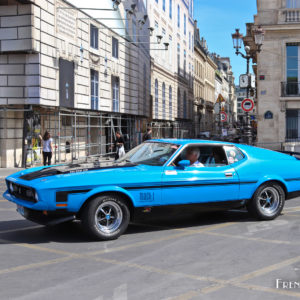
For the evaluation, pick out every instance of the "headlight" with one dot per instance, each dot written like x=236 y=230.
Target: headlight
x=36 y=196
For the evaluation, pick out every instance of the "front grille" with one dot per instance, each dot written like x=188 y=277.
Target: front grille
x=22 y=192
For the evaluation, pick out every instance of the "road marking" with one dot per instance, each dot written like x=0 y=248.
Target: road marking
x=186 y=296
x=35 y=265
x=290 y=215
x=157 y=270
x=217 y=283
x=21 y=229
x=251 y=275
x=162 y=239
x=252 y=238
x=39 y=248
x=4 y=201
x=291 y=209
x=91 y=255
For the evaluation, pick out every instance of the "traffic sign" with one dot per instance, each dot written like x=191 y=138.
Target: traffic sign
x=220 y=99
x=247 y=105
x=223 y=116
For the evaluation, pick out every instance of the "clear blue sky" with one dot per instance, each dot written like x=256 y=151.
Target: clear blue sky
x=217 y=20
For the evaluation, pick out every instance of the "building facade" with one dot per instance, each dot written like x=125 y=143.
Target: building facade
x=71 y=72
x=204 y=87
x=224 y=86
x=172 y=70
x=277 y=70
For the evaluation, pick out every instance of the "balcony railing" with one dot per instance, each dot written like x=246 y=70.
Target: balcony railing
x=292 y=15
x=290 y=89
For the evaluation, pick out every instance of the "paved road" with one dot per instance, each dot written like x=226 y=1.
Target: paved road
x=208 y=256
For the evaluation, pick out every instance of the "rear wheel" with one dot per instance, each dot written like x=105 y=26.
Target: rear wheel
x=267 y=201
x=106 y=217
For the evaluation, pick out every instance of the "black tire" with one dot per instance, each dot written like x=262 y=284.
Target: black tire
x=267 y=201
x=106 y=227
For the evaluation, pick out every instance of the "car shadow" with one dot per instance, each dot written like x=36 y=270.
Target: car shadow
x=14 y=232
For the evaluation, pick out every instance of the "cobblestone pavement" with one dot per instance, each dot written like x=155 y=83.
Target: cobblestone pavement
x=208 y=256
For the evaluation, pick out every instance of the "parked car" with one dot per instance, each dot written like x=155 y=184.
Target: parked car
x=153 y=176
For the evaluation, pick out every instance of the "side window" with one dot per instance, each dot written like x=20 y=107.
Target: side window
x=233 y=154
x=209 y=156
x=213 y=156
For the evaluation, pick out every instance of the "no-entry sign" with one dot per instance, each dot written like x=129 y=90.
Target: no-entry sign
x=247 y=105
x=223 y=116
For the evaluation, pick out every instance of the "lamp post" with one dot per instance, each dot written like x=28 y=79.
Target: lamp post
x=237 y=39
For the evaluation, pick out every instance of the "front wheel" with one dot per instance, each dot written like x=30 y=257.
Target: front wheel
x=267 y=201
x=106 y=217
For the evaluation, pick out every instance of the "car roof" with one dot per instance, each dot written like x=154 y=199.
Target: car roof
x=189 y=141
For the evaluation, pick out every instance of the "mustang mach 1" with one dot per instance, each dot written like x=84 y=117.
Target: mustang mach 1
x=154 y=175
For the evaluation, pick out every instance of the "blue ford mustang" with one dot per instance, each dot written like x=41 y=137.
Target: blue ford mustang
x=156 y=174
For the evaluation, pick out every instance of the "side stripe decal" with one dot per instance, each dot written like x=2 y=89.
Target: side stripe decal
x=185 y=185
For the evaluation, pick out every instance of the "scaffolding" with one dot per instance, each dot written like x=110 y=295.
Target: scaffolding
x=78 y=135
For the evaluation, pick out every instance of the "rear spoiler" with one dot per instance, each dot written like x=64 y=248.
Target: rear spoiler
x=291 y=153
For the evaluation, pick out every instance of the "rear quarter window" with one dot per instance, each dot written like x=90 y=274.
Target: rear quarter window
x=233 y=154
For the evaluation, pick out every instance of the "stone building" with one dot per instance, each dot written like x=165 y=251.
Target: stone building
x=224 y=86
x=204 y=87
x=172 y=70
x=277 y=70
x=81 y=74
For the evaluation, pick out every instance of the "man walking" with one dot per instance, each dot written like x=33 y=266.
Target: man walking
x=147 y=136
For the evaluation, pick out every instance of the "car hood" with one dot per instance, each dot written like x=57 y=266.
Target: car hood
x=72 y=169
x=86 y=175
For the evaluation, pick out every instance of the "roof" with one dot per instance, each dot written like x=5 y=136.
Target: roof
x=188 y=141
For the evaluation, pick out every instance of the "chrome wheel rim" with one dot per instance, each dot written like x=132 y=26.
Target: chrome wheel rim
x=108 y=217
x=269 y=200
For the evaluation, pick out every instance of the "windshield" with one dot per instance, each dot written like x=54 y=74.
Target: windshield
x=153 y=154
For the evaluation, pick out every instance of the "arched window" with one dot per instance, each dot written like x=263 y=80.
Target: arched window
x=163 y=100
x=178 y=103
x=170 y=104
x=156 y=99
x=184 y=106
x=164 y=5
x=170 y=9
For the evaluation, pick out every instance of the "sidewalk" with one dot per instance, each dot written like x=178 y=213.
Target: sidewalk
x=7 y=171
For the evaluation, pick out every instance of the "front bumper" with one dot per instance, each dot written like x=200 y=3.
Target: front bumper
x=45 y=217
x=40 y=205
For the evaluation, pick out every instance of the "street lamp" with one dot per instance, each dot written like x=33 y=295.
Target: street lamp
x=237 y=39
x=259 y=36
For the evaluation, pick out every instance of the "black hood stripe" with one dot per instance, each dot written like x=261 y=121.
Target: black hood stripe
x=52 y=171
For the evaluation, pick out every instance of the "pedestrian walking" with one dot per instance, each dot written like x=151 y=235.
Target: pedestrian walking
x=147 y=135
x=119 y=145
x=47 y=148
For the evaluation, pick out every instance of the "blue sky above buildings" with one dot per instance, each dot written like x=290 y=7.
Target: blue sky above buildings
x=217 y=20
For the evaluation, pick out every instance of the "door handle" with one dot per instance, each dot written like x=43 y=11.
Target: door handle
x=228 y=174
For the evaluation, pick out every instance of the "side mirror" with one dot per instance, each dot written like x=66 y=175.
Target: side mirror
x=183 y=164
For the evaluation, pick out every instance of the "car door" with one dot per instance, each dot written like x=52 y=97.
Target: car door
x=211 y=183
